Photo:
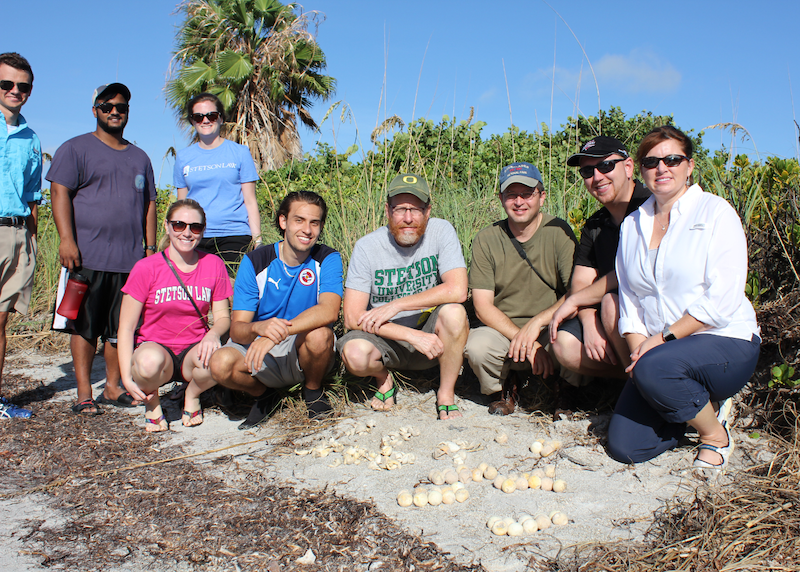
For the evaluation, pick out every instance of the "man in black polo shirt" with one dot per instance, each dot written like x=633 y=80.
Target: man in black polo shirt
x=583 y=331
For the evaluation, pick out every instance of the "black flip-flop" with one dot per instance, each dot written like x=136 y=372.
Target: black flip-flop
x=124 y=400
x=81 y=406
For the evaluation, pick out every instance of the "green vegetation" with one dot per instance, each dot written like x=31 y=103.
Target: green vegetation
x=782 y=376
x=462 y=167
x=260 y=59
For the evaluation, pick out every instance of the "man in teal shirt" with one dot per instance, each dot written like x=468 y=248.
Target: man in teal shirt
x=20 y=192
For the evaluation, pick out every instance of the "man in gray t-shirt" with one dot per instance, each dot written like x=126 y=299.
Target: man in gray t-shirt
x=104 y=206
x=402 y=301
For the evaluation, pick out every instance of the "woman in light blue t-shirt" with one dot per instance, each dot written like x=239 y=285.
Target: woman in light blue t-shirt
x=221 y=176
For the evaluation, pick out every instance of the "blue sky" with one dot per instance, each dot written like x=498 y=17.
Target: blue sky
x=703 y=62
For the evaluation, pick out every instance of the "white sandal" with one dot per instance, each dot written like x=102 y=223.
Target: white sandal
x=724 y=452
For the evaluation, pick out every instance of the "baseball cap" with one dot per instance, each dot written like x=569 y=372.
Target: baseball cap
x=600 y=146
x=411 y=184
x=524 y=173
x=111 y=88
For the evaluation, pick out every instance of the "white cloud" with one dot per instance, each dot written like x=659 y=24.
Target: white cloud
x=639 y=71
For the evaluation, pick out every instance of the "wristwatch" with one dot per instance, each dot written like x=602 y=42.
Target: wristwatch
x=667 y=335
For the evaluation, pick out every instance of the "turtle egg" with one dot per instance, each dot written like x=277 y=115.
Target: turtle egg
x=559 y=486
x=542 y=522
x=508 y=486
x=435 y=498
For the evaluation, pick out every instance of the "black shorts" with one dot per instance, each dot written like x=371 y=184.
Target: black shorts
x=98 y=316
x=177 y=361
x=230 y=248
x=572 y=326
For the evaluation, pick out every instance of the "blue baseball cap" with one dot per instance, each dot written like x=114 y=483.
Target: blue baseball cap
x=524 y=173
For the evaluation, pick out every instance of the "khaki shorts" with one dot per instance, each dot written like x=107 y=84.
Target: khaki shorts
x=281 y=367
x=17 y=263
x=394 y=354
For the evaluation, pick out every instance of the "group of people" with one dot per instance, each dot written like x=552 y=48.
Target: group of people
x=653 y=292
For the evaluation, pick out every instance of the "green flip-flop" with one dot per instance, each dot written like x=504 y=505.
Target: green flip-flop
x=390 y=394
x=446 y=408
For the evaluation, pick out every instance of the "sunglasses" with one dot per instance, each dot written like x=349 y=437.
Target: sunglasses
x=212 y=116
x=669 y=161
x=587 y=171
x=107 y=107
x=180 y=226
x=525 y=195
x=8 y=85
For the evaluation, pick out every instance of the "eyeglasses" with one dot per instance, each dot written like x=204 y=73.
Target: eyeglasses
x=604 y=167
x=400 y=212
x=525 y=195
x=212 y=116
x=669 y=161
x=22 y=86
x=107 y=107
x=180 y=226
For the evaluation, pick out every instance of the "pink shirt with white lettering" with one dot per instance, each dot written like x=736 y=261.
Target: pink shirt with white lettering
x=168 y=316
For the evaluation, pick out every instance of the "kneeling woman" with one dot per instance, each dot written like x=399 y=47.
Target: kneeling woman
x=682 y=268
x=168 y=296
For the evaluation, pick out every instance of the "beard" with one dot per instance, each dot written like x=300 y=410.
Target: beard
x=401 y=235
x=115 y=129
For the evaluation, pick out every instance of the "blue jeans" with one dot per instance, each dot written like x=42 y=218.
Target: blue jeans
x=671 y=384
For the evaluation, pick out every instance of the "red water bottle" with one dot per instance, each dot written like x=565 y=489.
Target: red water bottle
x=77 y=285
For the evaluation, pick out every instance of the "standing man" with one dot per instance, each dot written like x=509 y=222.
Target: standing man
x=286 y=298
x=20 y=192
x=520 y=269
x=402 y=303
x=104 y=205
x=584 y=329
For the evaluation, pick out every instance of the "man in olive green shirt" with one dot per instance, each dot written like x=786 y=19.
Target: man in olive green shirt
x=521 y=267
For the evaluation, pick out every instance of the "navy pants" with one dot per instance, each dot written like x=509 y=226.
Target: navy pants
x=671 y=384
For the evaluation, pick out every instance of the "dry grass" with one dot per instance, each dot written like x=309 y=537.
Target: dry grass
x=751 y=523
x=173 y=513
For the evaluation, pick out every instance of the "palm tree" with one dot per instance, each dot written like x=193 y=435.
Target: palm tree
x=260 y=59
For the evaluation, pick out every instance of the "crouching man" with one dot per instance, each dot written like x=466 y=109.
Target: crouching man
x=285 y=299
x=402 y=304
x=520 y=269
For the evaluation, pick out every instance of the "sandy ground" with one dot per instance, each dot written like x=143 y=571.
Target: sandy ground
x=604 y=501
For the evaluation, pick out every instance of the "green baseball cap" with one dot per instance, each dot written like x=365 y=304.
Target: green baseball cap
x=411 y=184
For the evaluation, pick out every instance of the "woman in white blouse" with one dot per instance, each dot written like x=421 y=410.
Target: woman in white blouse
x=694 y=341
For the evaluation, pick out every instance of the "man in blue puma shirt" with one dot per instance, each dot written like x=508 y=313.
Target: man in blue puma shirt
x=286 y=297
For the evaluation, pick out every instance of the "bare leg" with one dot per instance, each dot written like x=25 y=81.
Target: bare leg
x=711 y=432
x=151 y=368
x=113 y=388
x=570 y=353
x=82 y=358
x=609 y=311
x=452 y=328
x=200 y=381
x=315 y=353
x=228 y=369
x=363 y=359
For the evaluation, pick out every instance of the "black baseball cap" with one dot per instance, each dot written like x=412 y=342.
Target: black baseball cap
x=600 y=146
x=111 y=88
